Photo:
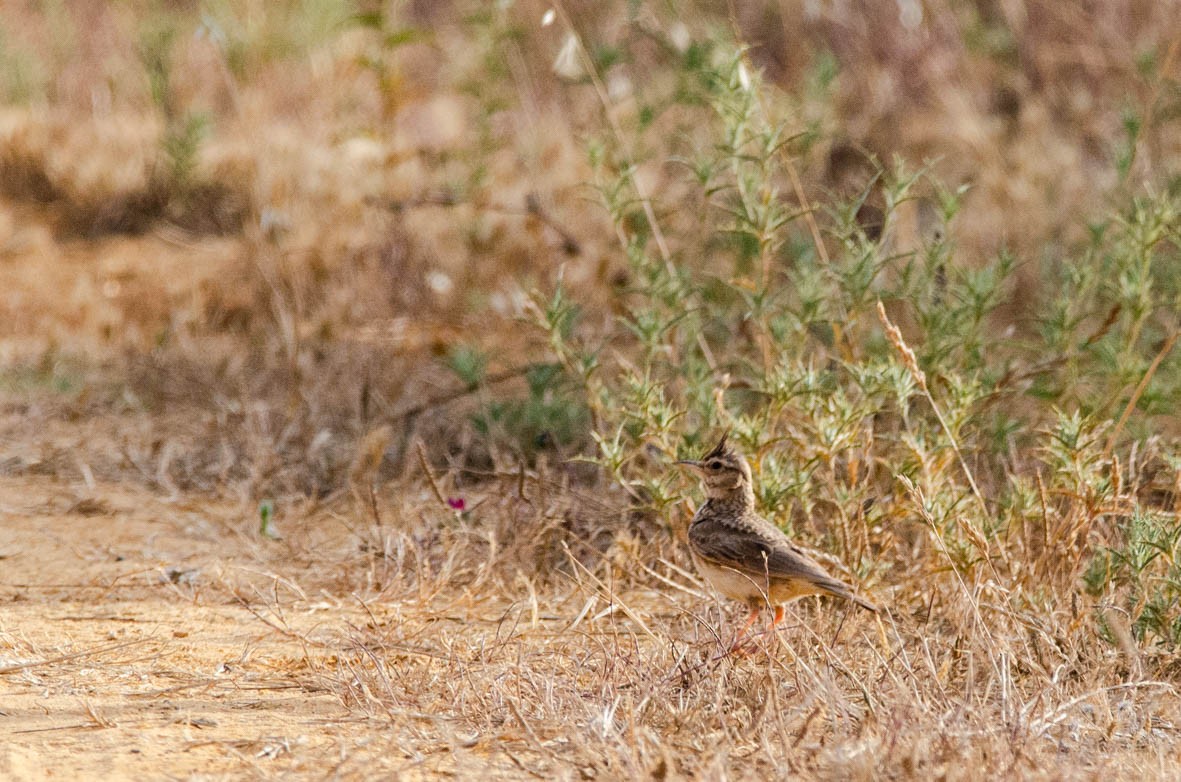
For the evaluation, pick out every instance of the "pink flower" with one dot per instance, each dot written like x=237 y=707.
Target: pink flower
x=456 y=503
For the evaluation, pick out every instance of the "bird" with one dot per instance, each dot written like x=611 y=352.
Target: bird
x=744 y=556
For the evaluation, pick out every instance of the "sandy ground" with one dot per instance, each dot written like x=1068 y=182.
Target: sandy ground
x=121 y=658
x=125 y=652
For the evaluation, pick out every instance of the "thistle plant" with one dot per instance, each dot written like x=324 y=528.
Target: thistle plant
x=763 y=331
x=748 y=307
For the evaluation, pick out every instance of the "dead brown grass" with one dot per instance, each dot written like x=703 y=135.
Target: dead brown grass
x=435 y=644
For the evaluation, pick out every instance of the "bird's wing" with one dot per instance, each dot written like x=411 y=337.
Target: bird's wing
x=760 y=553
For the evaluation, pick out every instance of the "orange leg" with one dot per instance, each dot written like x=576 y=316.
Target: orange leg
x=750 y=620
x=779 y=614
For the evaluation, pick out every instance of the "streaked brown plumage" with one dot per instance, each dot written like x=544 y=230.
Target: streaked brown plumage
x=743 y=555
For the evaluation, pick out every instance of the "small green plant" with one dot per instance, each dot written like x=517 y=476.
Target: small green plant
x=175 y=176
x=549 y=413
x=469 y=364
x=1141 y=574
x=266 y=517
x=181 y=147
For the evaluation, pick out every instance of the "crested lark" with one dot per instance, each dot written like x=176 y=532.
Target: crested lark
x=743 y=555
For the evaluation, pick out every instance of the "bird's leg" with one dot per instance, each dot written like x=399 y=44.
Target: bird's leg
x=741 y=637
x=779 y=614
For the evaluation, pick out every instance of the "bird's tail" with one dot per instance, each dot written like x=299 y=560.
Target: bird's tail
x=861 y=601
x=839 y=588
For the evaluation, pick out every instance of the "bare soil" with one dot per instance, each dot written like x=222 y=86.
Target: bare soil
x=125 y=658
x=146 y=637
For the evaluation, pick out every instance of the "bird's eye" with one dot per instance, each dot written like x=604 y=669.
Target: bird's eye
x=715 y=465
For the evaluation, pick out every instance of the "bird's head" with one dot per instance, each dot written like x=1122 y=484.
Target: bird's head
x=723 y=471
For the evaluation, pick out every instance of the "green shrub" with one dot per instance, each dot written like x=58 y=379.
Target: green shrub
x=749 y=309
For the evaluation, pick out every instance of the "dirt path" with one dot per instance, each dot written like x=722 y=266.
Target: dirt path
x=124 y=656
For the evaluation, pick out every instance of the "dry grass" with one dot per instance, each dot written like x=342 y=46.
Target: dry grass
x=436 y=645
x=287 y=255
x=610 y=674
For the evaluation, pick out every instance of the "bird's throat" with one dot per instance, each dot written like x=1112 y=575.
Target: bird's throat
x=738 y=500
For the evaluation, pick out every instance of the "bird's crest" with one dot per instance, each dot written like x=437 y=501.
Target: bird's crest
x=722 y=448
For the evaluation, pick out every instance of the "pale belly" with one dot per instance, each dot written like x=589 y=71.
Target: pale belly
x=739 y=586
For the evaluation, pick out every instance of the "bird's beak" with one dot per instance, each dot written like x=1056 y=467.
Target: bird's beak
x=696 y=465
